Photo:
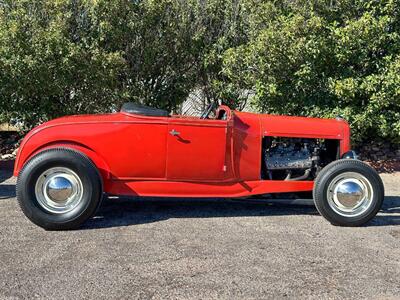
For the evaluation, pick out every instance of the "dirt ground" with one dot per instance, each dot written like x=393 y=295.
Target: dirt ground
x=180 y=249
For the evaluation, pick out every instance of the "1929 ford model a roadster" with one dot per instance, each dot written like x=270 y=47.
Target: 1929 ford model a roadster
x=66 y=165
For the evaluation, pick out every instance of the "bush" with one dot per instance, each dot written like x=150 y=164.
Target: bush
x=64 y=57
x=324 y=58
x=52 y=62
x=314 y=58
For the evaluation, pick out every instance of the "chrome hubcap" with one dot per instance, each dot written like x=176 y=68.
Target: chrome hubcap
x=59 y=190
x=350 y=194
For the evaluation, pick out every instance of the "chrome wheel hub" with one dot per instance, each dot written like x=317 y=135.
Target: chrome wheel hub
x=350 y=194
x=59 y=190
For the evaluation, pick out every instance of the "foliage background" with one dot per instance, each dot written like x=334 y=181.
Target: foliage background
x=313 y=58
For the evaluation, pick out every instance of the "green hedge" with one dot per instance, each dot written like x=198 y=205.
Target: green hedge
x=313 y=58
x=324 y=58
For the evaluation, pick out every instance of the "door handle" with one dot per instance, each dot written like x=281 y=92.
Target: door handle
x=174 y=132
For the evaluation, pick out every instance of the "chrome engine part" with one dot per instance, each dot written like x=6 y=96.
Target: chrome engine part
x=284 y=157
x=293 y=158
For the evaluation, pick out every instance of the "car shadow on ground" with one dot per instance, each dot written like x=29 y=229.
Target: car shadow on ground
x=6 y=170
x=134 y=211
x=126 y=212
x=390 y=213
x=7 y=191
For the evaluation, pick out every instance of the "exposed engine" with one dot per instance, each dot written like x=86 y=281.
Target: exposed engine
x=296 y=158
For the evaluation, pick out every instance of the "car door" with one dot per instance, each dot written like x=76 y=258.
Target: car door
x=196 y=149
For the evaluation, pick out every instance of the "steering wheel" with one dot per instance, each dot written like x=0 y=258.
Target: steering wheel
x=208 y=110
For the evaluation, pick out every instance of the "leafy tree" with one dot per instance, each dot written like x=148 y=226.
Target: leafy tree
x=314 y=58
x=324 y=58
x=75 y=56
x=51 y=63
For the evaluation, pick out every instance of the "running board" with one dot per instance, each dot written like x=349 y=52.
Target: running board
x=302 y=202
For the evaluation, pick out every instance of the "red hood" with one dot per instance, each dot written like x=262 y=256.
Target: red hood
x=273 y=125
x=303 y=127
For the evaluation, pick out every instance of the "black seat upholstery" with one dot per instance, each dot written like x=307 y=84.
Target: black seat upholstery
x=138 y=109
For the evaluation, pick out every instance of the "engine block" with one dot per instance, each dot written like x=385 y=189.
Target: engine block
x=287 y=162
x=290 y=154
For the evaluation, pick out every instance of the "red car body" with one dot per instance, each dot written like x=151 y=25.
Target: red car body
x=138 y=156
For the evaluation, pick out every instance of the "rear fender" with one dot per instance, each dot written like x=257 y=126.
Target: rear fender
x=92 y=155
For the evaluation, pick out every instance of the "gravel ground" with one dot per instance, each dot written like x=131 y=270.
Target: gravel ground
x=200 y=249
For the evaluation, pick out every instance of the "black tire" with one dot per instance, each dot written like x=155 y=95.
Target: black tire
x=329 y=173
x=66 y=158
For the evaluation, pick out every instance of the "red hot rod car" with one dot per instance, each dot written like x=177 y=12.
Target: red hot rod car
x=66 y=165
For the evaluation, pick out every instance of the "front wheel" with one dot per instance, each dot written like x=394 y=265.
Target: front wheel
x=59 y=189
x=348 y=192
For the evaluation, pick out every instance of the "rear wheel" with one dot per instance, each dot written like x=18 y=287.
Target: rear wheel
x=59 y=189
x=348 y=192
